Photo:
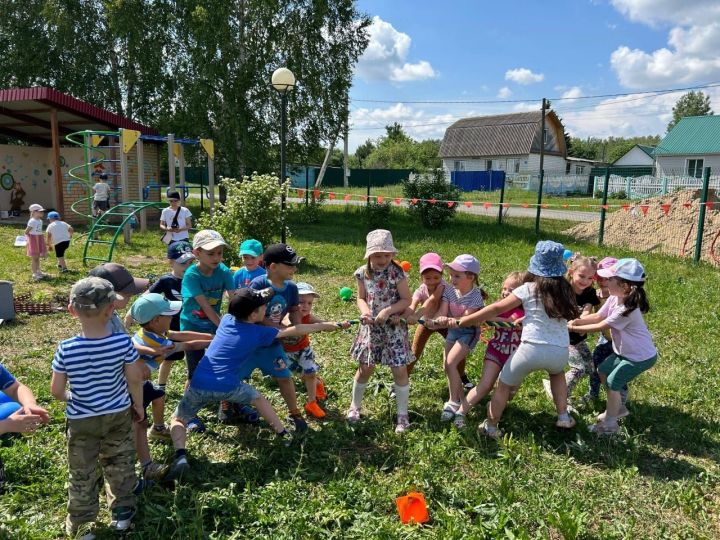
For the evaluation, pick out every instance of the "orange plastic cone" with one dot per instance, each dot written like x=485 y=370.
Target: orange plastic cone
x=412 y=508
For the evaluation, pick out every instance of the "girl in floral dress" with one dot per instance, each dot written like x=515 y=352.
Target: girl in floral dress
x=383 y=291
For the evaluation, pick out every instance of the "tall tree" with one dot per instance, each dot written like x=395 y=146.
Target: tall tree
x=691 y=104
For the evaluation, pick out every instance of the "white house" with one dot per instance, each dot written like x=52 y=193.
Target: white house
x=689 y=147
x=639 y=155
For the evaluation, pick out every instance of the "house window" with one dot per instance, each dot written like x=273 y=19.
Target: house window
x=459 y=166
x=695 y=167
x=513 y=165
x=579 y=169
x=488 y=165
x=567 y=167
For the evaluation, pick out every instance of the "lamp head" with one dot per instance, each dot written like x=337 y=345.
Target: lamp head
x=283 y=80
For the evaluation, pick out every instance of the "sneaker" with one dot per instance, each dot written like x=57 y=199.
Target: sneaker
x=392 y=394
x=159 y=434
x=490 y=431
x=459 y=420
x=122 y=518
x=299 y=422
x=314 y=409
x=353 y=415
x=142 y=485
x=195 y=426
x=285 y=437
x=601 y=428
x=63 y=270
x=468 y=385
x=565 y=423
x=178 y=468
x=246 y=414
x=622 y=414
x=226 y=413
x=403 y=423
x=155 y=471
x=548 y=388
x=37 y=277
x=449 y=410
x=320 y=392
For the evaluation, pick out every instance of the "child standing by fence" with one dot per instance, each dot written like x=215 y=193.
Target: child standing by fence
x=382 y=292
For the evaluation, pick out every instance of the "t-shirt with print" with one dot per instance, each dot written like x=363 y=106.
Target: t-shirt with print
x=587 y=296
x=243 y=277
x=6 y=378
x=471 y=300
x=284 y=298
x=95 y=371
x=537 y=326
x=59 y=231
x=168 y=215
x=505 y=341
x=212 y=287
x=422 y=294
x=102 y=191
x=170 y=287
x=35 y=226
x=156 y=341
x=234 y=344
x=630 y=335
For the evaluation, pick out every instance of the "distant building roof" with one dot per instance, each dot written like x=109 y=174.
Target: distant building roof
x=692 y=135
x=647 y=149
x=498 y=135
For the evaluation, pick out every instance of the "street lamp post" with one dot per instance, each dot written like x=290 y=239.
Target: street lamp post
x=283 y=81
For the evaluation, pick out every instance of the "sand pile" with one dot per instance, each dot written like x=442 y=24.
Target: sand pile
x=673 y=233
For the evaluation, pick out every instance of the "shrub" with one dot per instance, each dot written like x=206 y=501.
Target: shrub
x=376 y=215
x=619 y=195
x=309 y=213
x=431 y=186
x=251 y=210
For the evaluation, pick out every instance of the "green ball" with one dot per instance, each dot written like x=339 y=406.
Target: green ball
x=346 y=293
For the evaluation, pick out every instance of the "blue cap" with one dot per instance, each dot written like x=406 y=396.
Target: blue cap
x=548 y=259
x=148 y=306
x=180 y=251
x=53 y=215
x=251 y=247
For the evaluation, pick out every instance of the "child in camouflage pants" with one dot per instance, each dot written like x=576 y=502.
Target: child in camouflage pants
x=101 y=370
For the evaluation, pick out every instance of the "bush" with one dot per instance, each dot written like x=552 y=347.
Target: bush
x=431 y=186
x=376 y=215
x=309 y=213
x=252 y=210
x=619 y=195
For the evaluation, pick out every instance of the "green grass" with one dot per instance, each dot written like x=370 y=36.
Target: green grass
x=659 y=479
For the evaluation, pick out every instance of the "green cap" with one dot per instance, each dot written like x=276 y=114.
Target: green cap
x=251 y=247
x=148 y=306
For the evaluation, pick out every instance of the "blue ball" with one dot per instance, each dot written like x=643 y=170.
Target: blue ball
x=567 y=254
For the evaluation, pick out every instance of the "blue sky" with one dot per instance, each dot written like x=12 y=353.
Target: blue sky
x=523 y=50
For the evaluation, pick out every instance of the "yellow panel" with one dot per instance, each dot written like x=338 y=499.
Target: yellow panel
x=96 y=139
x=176 y=150
x=128 y=137
x=209 y=147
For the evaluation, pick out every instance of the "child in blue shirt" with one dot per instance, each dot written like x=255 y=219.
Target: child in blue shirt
x=251 y=252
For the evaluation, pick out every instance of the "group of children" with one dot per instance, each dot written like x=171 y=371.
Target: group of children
x=104 y=374
x=59 y=234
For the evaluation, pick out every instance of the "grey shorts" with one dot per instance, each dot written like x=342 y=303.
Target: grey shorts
x=195 y=399
x=467 y=336
x=531 y=357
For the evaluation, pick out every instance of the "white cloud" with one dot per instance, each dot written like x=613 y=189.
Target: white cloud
x=523 y=76
x=572 y=94
x=386 y=54
x=693 y=42
x=504 y=93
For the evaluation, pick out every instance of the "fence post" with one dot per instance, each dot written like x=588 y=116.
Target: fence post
x=606 y=184
x=664 y=185
x=628 y=187
x=502 y=199
x=307 y=184
x=539 y=202
x=701 y=216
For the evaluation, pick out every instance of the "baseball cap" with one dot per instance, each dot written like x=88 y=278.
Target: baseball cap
x=306 y=288
x=629 y=269
x=246 y=301
x=92 y=293
x=607 y=262
x=281 y=253
x=148 y=306
x=36 y=208
x=208 y=239
x=431 y=261
x=465 y=263
x=173 y=195
x=121 y=279
x=180 y=251
x=53 y=215
x=251 y=247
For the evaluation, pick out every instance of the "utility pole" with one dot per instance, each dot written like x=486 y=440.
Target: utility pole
x=346 y=170
x=542 y=167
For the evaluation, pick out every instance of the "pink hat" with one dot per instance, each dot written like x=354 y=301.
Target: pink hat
x=465 y=263
x=607 y=262
x=431 y=261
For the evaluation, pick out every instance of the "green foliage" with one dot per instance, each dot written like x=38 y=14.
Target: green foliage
x=396 y=150
x=310 y=212
x=251 y=210
x=431 y=186
x=376 y=215
x=691 y=104
x=608 y=150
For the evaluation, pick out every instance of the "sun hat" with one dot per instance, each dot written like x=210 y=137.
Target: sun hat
x=306 y=288
x=180 y=251
x=548 y=259
x=281 y=253
x=607 y=262
x=36 y=208
x=208 y=239
x=53 y=215
x=379 y=241
x=465 y=263
x=92 y=292
x=148 y=306
x=246 y=301
x=431 y=261
x=629 y=269
x=120 y=278
x=251 y=247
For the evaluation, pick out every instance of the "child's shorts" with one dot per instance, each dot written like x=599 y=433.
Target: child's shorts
x=60 y=248
x=467 y=336
x=150 y=394
x=195 y=399
x=101 y=205
x=271 y=360
x=620 y=370
x=303 y=361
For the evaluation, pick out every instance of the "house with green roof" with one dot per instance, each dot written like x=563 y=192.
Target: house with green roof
x=692 y=145
x=639 y=155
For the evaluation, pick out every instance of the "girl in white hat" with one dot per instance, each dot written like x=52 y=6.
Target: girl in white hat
x=36 y=246
x=383 y=291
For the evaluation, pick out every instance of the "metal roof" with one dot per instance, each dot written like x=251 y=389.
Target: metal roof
x=25 y=114
x=692 y=135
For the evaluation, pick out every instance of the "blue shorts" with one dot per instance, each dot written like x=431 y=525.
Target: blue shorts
x=467 y=336
x=271 y=360
x=195 y=399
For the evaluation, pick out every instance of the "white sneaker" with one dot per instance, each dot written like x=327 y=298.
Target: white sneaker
x=353 y=415
x=403 y=423
x=622 y=414
x=449 y=410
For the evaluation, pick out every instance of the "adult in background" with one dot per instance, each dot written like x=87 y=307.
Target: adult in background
x=175 y=220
